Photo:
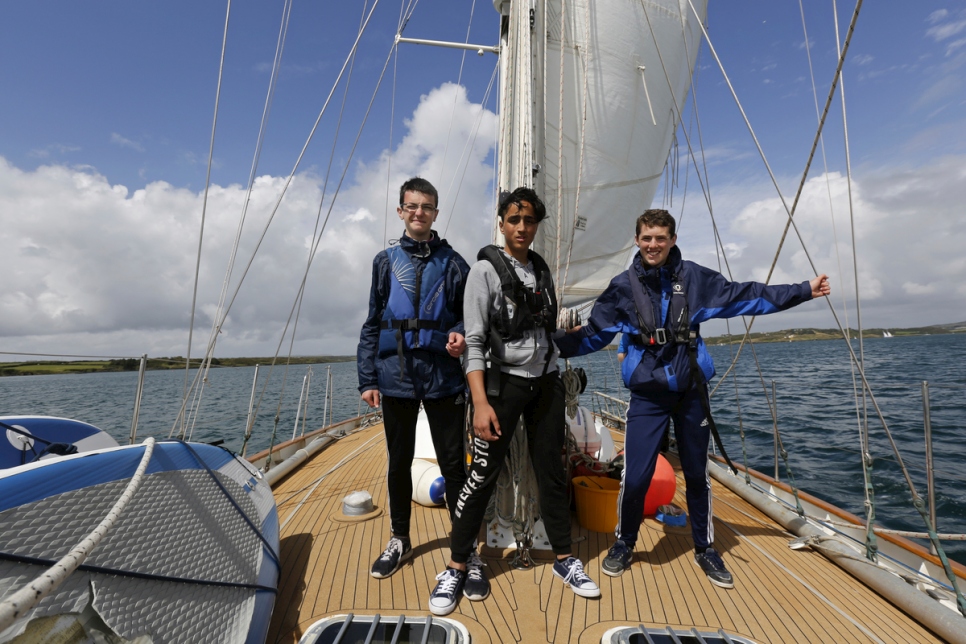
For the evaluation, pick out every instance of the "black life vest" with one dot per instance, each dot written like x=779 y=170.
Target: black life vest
x=675 y=329
x=532 y=309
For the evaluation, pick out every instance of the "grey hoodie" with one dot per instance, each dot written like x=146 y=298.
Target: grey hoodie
x=482 y=300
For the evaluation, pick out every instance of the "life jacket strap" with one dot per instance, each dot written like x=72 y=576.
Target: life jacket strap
x=699 y=382
x=410 y=324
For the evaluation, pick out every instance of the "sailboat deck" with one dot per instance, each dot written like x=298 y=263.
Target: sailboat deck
x=780 y=595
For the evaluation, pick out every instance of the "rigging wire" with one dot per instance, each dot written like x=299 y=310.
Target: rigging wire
x=560 y=136
x=828 y=189
x=471 y=141
x=452 y=116
x=585 y=66
x=291 y=175
x=263 y=126
x=301 y=293
x=204 y=211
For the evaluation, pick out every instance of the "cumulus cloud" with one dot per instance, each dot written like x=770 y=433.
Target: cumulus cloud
x=908 y=242
x=96 y=269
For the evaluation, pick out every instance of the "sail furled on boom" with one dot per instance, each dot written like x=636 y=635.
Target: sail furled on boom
x=590 y=101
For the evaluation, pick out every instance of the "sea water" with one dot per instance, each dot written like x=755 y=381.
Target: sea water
x=818 y=415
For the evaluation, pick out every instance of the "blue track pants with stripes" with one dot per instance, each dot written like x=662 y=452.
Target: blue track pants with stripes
x=647 y=419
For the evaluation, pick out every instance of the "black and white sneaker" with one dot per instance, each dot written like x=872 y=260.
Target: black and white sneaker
x=391 y=558
x=572 y=573
x=477 y=586
x=618 y=559
x=712 y=565
x=442 y=601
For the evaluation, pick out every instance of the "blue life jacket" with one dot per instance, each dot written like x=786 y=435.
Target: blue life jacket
x=416 y=316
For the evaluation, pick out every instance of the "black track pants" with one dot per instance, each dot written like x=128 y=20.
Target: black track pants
x=541 y=403
x=446 y=416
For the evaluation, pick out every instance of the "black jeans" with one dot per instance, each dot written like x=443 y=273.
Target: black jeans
x=541 y=403
x=446 y=416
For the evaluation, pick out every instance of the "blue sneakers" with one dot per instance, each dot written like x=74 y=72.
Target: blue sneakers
x=442 y=601
x=573 y=575
x=391 y=558
x=477 y=587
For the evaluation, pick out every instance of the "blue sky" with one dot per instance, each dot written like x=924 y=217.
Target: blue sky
x=105 y=119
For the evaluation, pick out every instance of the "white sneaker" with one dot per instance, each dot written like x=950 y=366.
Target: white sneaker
x=442 y=601
x=572 y=573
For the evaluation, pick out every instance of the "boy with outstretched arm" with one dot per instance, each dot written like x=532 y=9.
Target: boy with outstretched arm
x=408 y=354
x=522 y=381
x=658 y=304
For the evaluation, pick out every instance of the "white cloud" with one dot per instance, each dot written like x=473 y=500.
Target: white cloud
x=954 y=45
x=96 y=269
x=945 y=31
x=909 y=243
x=862 y=59
x=123 y=142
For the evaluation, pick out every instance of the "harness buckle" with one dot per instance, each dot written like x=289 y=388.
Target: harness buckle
x=660 y=336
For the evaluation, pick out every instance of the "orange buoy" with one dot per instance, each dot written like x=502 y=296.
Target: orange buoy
x=663 y=485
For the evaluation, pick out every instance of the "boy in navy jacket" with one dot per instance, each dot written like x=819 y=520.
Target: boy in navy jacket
x=408 y=354
x=659 y=304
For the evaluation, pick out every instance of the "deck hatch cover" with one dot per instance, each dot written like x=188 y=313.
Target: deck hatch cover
x=366 y=629
x=643 y=635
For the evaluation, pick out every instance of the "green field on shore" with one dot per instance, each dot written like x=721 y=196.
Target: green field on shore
x=43 y=367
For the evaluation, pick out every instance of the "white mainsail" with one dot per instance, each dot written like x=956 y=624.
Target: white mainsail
x=591 y=96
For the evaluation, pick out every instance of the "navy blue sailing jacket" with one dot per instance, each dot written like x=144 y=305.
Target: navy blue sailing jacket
x=709 y=295
x=428 y=371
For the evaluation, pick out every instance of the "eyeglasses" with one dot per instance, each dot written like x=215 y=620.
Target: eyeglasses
x=412 y=208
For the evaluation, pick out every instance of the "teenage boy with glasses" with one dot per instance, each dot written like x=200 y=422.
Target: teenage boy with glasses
x=408 y=354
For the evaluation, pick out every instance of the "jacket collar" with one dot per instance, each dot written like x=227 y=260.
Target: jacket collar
x=672 y=265
x=422 y=248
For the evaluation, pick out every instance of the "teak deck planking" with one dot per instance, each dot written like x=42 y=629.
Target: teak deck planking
x=780 y=595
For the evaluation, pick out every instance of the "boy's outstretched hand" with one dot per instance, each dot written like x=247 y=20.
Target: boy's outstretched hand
x=820 y=286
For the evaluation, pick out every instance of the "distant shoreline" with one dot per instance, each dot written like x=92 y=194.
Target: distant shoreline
x=50 y=367
x=805 y=335
x=47 y=367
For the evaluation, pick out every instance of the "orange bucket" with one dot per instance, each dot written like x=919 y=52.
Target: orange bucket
x=597 y=502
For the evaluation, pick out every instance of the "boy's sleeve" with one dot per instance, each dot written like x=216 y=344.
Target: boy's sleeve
x=369 y=336
x=476 y=315
x=719 y=298
x=599 y=331
x=458 y=273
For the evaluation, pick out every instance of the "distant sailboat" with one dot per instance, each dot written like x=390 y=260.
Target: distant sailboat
x=886 y=334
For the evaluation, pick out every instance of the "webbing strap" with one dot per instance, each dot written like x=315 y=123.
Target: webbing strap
x=410 y=324
x=698 y=381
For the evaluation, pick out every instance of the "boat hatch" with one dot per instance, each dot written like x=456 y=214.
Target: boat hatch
x=642 y=635
x=359 y=629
